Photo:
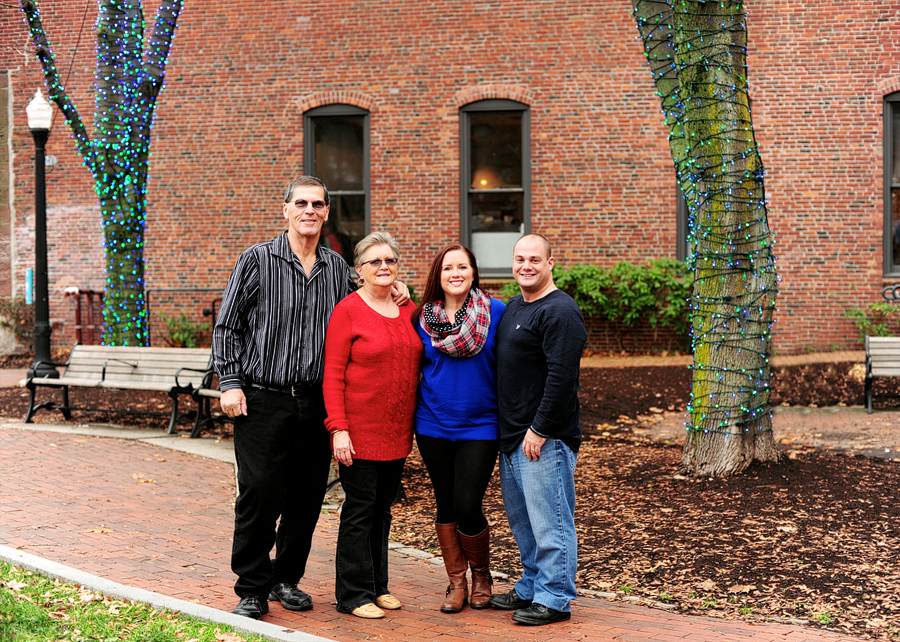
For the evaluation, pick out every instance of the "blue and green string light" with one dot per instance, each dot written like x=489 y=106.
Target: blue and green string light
x=697 y=55
x=130 y=75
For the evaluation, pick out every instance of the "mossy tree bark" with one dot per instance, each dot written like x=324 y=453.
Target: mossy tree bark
x=130 y=74
x=697 y=55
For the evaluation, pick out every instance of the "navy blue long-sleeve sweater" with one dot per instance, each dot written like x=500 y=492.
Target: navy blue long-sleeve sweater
x=539 y=347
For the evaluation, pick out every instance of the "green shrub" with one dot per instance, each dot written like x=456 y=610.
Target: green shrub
x=18 y=316
x=655 y=294
x=880 y=319
x=182 y=332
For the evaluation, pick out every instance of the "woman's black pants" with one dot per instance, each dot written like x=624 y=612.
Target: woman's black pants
x=460 y=472
x=361 y=561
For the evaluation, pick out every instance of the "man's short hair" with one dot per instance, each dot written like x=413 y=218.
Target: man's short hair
x=543 y=239
x=305 y=181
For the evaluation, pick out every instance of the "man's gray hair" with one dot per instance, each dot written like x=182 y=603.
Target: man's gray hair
x=373 y=239
x=305 y=181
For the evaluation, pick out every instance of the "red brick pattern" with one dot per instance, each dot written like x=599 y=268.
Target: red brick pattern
x=228 y=136
x=161 y=521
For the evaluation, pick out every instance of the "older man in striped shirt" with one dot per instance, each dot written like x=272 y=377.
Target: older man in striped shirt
x=268 y=346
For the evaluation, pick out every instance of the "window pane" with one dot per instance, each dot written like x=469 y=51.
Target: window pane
x=895 y=177
x=494 y=250
x=346 y=224
x=496 y=212
x=497 y=223
x=496 y=150
x=339 y=152
x=895 y=224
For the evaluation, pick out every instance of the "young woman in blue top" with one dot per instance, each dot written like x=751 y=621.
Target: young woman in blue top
x=456 y=422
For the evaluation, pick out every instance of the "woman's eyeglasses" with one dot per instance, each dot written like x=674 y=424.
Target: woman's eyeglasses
x=377 y=262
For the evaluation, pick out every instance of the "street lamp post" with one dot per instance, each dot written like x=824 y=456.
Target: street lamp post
x=40 y=117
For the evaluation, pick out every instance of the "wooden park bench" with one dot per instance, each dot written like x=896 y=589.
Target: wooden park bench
x=175 y=371
x=203 y=396
x=882 y=360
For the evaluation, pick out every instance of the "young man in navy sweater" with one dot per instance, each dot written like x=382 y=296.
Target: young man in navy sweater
x=539 y=345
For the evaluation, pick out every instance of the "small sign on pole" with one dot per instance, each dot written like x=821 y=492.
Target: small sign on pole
x=29 y=286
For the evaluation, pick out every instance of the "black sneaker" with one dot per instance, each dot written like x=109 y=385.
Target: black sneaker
x=291 y=598
x=252 y=606
x=538 y=614
x=509 y=601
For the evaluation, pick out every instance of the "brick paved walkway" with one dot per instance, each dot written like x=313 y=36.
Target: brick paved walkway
x=161 y=520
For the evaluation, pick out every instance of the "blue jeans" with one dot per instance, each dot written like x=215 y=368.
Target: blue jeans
x=539 y=497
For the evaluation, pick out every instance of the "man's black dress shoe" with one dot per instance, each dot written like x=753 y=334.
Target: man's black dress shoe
x=291 y=598
x=252 y=606
x=538 y=614
x=508 y=601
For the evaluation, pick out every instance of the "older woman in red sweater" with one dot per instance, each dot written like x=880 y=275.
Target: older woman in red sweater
x=372 y=355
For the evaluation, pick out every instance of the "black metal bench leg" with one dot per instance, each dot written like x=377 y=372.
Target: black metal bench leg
x=65 y=407
x=174 y=418
x=31 y=409
x=869 y=395
x=203 y=417
x=195 y=431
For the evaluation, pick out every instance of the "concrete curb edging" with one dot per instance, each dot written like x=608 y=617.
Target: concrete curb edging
x=114 y=589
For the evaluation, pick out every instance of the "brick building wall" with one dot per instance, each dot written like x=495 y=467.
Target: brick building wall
x=229 y=135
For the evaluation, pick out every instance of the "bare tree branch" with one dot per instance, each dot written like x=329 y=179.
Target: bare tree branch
x=156 y=56
x=56 y=90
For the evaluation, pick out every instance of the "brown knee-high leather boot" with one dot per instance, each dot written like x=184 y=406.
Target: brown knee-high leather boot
x=455 y=563
x=478 y=551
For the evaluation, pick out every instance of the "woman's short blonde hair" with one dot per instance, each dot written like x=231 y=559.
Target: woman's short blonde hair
x=373 y=239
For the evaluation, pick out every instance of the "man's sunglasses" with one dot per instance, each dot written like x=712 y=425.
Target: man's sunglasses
x=316 y=205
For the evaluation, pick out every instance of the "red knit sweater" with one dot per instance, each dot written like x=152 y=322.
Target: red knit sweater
x=371 y=378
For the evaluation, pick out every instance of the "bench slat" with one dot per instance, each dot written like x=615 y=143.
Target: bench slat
x=151 y=386
x=885 y=372
x=80 y=382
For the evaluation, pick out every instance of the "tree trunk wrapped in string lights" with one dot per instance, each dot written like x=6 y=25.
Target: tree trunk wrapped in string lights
x=697 y=55
x=130 y=73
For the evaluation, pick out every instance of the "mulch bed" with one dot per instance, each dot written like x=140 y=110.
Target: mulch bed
x=812 y=540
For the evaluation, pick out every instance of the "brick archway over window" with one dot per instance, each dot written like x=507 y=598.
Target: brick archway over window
x=335 y=96
x=888 y=86
x=493 y=92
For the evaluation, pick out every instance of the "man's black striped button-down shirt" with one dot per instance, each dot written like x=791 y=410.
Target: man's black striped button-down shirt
x=271 y=327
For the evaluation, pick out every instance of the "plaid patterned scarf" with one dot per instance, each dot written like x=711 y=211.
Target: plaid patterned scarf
x=466 y=335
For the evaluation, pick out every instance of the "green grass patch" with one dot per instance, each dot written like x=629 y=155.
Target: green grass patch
x=823 y=618
x=34 y=608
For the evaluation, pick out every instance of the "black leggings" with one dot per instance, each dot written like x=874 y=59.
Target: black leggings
x=460 y=472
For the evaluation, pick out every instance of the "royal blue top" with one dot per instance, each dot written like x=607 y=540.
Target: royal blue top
x=458 y=395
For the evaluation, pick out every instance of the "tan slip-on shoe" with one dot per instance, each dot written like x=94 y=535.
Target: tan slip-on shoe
x=368 y=611
x=388 y=601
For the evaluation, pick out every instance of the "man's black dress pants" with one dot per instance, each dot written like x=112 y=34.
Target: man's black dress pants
x=283 y=458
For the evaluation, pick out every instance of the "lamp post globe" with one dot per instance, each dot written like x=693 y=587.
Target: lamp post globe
x=40 y=117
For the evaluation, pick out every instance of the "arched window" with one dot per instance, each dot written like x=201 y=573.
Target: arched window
x=336 y=149
x=495 y=181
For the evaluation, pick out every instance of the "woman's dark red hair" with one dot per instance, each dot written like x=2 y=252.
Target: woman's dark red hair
x=433 y=290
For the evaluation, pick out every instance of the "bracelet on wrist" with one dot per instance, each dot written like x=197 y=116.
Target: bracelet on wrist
x=531 y=428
